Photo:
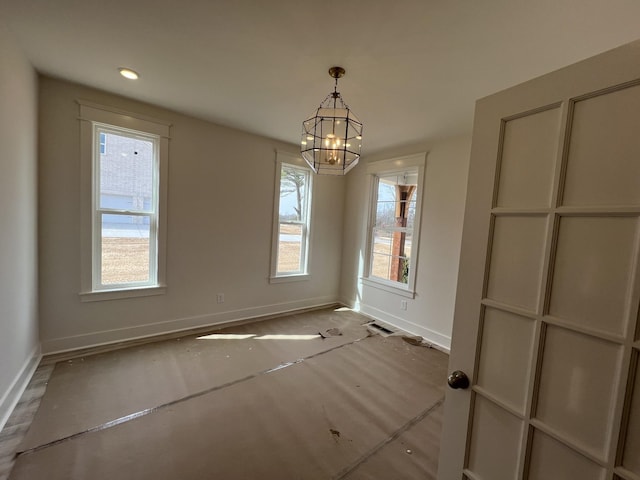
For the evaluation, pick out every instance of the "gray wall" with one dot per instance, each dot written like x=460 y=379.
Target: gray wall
x=220 y=206
x=18 y=222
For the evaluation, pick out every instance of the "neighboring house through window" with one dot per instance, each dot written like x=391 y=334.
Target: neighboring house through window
x=394 y=223
x=290 y=254
x=123 y=204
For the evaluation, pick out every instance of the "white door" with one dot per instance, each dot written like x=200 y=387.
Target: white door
x=546 y=323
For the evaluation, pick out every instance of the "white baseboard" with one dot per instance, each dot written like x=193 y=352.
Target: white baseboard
x=441 y=342
x=106 y=337
x=11 y=397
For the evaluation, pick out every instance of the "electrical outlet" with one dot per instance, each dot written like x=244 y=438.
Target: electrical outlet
x=220 y=298
x=403 y=304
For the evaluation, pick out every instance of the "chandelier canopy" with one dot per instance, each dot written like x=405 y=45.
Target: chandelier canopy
x=332 y=138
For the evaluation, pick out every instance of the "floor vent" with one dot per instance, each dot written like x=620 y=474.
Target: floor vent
x=376 y=328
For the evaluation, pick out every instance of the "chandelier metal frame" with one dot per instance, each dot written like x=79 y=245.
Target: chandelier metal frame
x=332 y=138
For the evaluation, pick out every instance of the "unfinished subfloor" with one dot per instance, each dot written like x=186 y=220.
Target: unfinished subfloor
x=306 y=396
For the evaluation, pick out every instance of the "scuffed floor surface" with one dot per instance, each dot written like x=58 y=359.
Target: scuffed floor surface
x=308 y=396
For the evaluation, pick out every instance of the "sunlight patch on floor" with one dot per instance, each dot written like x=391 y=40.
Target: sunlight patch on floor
x=288 y=337
x=233 y=336
x=226 y=336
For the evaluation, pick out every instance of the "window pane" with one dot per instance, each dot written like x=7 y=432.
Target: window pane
x=386 y=213
x=411 y=212
x=382 y=241
x=126 y=172
x=390 y=267
x=386 y=205
x=290 y=248
x=396 y=200
x=395 y=214
x=125 y=249
x=386 y=190
x=293 y=191
x=103 y=143
x=380 y=265
x=408 y=243
x=391 y=255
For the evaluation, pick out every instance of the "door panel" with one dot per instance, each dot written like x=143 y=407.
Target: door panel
x=528 y=159
x=578 y=388
x=603 y=166
x=546 y=319
x=517 y=260
x=505 y=360
x=550 y=459
x=593 y=267
x=495 y=445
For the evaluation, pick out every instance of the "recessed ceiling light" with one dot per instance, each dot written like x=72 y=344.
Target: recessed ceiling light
x=128 y=73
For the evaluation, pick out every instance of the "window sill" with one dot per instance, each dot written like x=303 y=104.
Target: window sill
x=102 y=295
x=388 y=287
x=290 y=278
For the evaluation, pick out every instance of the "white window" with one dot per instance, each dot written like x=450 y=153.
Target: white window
x=124 y=200
x=290 y=254
x=394 y=223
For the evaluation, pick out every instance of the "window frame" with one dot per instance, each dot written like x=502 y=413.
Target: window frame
x=376 y=170
x=95 y=118
x=294 y=161
x=100 y=130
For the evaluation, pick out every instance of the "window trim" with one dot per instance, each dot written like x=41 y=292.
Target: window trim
x=375 y=170
x=92 y=114
x=275 y=277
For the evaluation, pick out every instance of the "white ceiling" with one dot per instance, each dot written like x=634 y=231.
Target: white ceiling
x=414 y=67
